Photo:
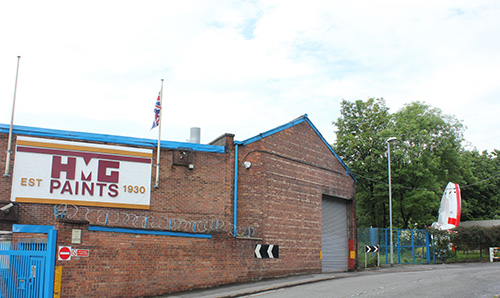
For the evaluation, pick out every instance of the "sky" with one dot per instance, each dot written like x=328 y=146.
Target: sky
x=244 y=67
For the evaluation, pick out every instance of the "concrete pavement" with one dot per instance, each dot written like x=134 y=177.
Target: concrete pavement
x=237 y=290
x=244 y=289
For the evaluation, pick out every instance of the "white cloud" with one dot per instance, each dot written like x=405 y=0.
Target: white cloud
x=245 y=67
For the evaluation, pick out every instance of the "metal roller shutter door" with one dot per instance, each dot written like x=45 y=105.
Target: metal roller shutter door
x=334 y=235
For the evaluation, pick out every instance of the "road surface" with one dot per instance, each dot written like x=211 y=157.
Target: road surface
x=456 y=280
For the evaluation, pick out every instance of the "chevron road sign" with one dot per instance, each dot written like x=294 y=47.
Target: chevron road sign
x=266 y=251
x=371 y=248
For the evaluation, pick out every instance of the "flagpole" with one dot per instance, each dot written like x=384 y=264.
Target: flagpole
x=9 y=144
x=159 y=139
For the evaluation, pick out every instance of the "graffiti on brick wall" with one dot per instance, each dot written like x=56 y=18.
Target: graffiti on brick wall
x=97 y=216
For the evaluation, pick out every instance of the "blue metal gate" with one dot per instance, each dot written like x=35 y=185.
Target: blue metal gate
x=27 y=269
x=410 y=246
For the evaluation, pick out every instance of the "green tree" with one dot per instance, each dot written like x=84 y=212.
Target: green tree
x=362 y=128
x=481 y=191
x=423 y=160
x=426 y=158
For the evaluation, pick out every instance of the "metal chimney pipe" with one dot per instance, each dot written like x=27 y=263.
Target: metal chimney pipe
x=195 y=135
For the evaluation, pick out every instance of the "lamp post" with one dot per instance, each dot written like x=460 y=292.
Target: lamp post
x=389 y=140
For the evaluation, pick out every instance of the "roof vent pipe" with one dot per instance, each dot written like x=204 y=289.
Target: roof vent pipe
x=195 y=135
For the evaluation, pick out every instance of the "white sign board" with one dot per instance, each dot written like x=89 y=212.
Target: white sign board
x=62 y=172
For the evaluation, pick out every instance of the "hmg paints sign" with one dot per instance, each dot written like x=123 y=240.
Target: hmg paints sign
x=62 y=172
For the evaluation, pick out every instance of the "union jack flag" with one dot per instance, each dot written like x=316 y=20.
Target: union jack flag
x=157 y=109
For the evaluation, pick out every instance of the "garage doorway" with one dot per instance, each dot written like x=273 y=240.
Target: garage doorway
x=334 y=234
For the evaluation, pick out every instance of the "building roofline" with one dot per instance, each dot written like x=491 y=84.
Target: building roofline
x=95 y=137
x=303 y=118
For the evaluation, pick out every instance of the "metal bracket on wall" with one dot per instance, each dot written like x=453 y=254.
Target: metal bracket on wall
x=9 y=212
x=182 y=157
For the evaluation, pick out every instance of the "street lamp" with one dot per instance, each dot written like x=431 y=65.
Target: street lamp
x=389 y=140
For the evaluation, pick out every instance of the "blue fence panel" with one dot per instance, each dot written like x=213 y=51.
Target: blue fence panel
x=410 y=246
x=27 y=268
x=23 y=267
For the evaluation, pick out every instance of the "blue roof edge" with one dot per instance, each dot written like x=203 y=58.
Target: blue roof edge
x=85 y=136
x=303 y=118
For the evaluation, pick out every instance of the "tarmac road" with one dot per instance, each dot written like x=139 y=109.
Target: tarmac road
x=454 y=280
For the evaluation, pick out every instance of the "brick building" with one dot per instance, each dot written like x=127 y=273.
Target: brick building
x=280 y=203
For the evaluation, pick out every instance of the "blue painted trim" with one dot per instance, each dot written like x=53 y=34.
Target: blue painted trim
x=398 y=248
x=191 y=146
x=148 y=232
x=291 y=124
x=94 y=137
x=348 y=171
x=16 y=228
x=235 y=220
x=48 y=288
x=51 y=263
x=427 y=242
x=275 y=130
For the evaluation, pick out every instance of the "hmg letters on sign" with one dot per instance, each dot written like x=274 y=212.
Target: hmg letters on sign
x=63 y=172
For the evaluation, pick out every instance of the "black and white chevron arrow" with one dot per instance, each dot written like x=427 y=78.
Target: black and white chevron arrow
x=266 y=251
x=371 y=248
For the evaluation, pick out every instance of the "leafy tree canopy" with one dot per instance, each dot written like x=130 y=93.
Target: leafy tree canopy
x=427 y=155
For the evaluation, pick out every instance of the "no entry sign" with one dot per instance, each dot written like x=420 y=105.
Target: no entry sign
x=64 y=253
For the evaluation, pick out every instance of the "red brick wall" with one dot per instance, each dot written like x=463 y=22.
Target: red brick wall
x=132 y=265
x=281 y=193
x=5 y=182
x=280 y=196
x=204 y=192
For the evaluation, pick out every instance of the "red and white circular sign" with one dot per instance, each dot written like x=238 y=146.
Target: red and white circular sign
x=64 y=253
